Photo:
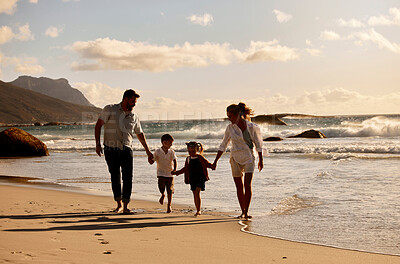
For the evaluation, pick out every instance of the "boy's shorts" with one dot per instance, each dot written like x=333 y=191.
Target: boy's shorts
x=166 y=183
x=239 y=169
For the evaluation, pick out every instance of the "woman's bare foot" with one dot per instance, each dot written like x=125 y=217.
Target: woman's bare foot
x=169 y=210
x=197 y=213
x=246 y=216
x=241 y=216
x=127 y=211
x=161 y=201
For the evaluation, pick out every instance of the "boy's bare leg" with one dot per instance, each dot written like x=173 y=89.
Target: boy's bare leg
x=169 y=210
x=161 y=201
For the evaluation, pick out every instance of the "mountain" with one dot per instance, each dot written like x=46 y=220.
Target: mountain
x=23 y=106
x=59 y=88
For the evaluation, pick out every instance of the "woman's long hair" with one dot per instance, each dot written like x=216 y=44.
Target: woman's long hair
x=241 y=109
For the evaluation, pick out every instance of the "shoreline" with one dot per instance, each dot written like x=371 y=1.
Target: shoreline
x=224 y=231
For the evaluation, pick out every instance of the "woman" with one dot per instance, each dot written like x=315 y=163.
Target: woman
x=244 y=136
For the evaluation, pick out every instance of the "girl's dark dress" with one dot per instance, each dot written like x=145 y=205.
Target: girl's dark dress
x=197 y=178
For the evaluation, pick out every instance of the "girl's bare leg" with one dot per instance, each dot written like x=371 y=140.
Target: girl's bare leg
x=197 y=201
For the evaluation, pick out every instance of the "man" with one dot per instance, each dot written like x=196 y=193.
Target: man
x=120 y=125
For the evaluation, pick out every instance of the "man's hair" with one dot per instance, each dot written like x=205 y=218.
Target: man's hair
x=129 y=94
x=166 y=137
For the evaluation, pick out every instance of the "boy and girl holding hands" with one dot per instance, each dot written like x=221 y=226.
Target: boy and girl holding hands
x=195 y=170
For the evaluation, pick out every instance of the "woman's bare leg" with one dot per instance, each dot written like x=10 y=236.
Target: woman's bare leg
x=240 y=194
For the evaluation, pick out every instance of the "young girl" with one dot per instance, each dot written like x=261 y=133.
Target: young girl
x=196 y=172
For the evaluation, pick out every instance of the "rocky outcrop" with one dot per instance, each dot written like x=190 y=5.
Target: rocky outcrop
x=59 y=88
x=273 y=139
x=270 y=119
x=15 y=142
x=310 y=134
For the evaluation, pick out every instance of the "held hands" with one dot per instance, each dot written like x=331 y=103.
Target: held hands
x=260 y=164
x=150 y=158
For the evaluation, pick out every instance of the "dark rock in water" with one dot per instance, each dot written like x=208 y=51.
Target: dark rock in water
x=273 y=139
x=270 y=119
x=37 y=124
x=15 y=142
x=310 y=134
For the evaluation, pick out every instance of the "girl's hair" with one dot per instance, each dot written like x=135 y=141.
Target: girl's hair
x=197 y=145
x=241 y=109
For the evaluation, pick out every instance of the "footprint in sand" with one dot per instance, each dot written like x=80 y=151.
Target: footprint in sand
x=107 y=252
x=98 y=234
x=104 y=242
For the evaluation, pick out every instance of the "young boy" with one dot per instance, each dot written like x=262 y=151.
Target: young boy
x=166 y=165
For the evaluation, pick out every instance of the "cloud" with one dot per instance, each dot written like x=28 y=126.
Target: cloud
x=8 y=6
x=372 y=36
x=111 y=54
x=33 y=1
x=24 y=34
x=282 y=17
x=353 y=23
x=6 y=34
x=100 y=94
x=329 y=35
x=53 y=32
x=314 y=52
x=269 y=51
x=202 y=20
x=27 y=65
x=393 y=18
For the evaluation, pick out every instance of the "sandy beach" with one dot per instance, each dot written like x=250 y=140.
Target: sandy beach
x=57 y=226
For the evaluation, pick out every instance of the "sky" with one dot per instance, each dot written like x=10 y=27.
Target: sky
x=191 y=59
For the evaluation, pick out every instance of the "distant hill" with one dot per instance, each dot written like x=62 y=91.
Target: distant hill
x=59 y=88
x=22 y=106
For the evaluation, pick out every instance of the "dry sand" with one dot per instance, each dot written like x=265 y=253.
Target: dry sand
x=55 y=226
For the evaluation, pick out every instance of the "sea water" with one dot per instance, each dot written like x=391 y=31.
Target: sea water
x=342 y=191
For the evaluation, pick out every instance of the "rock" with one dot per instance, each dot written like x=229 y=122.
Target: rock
x=15 y=142
x=37 y=124
x=273 y=139
x=270 y=119
x=310 y=134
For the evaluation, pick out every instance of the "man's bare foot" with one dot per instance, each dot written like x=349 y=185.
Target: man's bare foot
x=127 y=211
x=197 y=213
x=161 y=201
x=117 y=210
x=169 y=210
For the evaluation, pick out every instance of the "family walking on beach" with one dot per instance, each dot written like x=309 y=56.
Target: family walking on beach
x=121 y=124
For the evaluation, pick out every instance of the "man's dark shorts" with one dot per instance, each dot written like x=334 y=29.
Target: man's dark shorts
x=166 y=183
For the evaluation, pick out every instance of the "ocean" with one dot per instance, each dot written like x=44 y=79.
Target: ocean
x=342 y=191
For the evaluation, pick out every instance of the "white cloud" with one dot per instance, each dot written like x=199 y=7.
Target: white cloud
x=110 y=54
x=269 y=51
x=100 y=94
x=53 y=32
x=329 y=35
x=393 y=18
x=33 y=1
x=282 y=17
x=8 y=6
x=26 y=65
x=353 y=23
x=202 y=20
x=6 y=34
x=372 y=36
x=314 y=52
x=24 y=33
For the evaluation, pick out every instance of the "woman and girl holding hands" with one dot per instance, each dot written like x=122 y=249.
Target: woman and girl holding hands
x=244 y=135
